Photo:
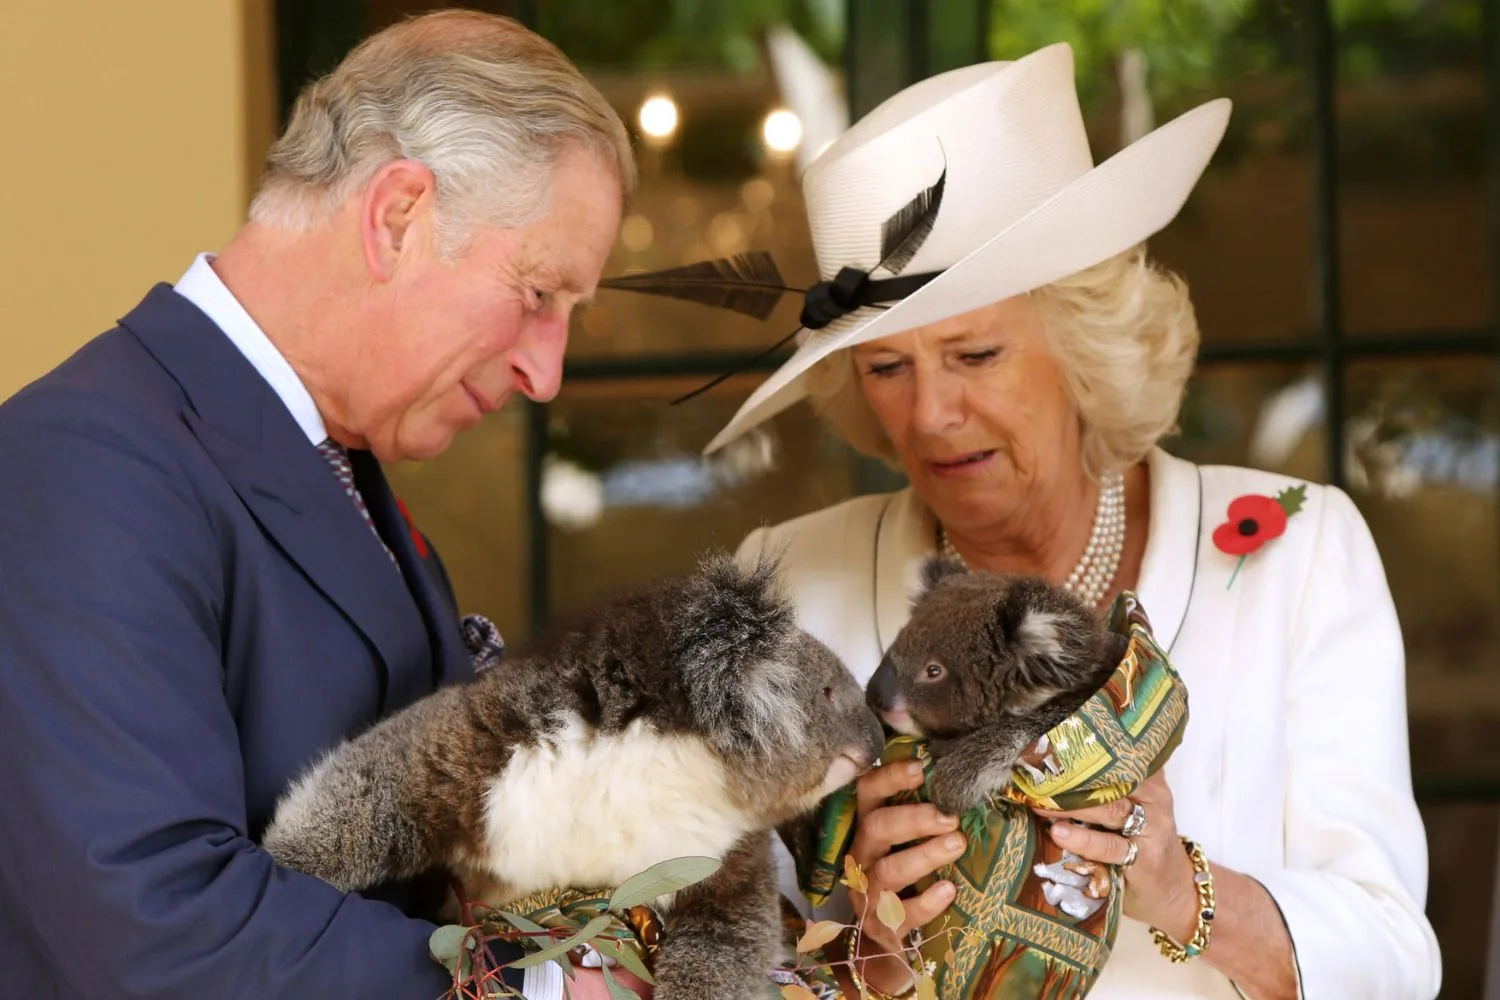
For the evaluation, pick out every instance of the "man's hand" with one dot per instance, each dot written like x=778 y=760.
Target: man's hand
x=880 y=827
x=589 y=984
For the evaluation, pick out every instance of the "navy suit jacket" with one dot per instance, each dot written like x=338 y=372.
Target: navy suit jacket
x=192 y=610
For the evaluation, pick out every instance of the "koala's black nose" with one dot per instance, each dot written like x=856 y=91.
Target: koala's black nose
x=880 y=693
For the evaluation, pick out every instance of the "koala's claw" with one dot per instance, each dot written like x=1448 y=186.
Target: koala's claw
x=951 y=793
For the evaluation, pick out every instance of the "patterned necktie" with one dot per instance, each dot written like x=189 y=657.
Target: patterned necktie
x=338 y=459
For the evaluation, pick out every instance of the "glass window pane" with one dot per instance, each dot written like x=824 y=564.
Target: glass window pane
x=1265 y=415
x=471 y=501
x=1243 y=241
x=1461 y=844
x=1411 y=167
x=1423 y=455
x=725 y=104
x=628 y=497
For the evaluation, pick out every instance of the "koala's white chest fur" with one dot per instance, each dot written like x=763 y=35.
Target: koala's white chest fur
x=590 y=810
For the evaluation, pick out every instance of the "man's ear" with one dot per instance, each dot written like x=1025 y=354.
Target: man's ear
x=398 y=197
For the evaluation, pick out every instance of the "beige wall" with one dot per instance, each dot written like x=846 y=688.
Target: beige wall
x=127 y=136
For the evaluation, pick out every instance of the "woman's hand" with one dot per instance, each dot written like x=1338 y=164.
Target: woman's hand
x=879 y=828
x=1159 y=885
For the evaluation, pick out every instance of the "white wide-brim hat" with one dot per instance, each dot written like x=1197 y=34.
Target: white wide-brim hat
x=987 y=172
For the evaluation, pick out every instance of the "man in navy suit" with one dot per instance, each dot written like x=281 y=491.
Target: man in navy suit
x=205 y=581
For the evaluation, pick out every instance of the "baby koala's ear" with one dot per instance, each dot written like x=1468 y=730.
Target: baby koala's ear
x=937 y=568
x=1051 y=634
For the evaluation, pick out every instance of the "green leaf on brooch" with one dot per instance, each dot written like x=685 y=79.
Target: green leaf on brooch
x=1292 y=498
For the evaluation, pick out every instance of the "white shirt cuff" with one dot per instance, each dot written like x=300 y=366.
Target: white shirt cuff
x=542 y=982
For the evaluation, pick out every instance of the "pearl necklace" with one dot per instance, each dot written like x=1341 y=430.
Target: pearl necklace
x=1100 y=561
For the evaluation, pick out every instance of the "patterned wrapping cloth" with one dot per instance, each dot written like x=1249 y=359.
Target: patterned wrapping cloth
x=639 y=929
x=1029 y=920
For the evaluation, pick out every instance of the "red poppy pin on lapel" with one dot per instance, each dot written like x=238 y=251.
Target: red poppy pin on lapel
x=1255 y=519
x=416 y=536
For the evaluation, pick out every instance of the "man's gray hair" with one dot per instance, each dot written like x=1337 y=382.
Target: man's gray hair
x=486 y=104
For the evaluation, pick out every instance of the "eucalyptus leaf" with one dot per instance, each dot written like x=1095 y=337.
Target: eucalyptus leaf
x=660 y=879
x=445 y=943
x=618 y=991
x=590 y=930
x=521 y=923
x=625 y=957
x=890 y=910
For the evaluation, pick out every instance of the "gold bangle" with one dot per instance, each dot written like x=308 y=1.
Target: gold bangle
x=1203 y=882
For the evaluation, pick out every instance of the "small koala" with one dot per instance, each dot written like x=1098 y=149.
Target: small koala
x=687 y=718
x=984 y=666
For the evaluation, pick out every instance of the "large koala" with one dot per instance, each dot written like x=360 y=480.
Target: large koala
x=984 y=666
x=690 y=717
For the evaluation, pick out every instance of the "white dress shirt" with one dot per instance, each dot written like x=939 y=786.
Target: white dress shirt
x=1294 y=767
x=202 y=287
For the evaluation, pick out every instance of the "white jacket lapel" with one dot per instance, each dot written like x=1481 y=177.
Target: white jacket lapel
x=905 y=535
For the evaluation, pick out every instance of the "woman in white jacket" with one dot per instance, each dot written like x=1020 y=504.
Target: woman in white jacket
x=988 y=321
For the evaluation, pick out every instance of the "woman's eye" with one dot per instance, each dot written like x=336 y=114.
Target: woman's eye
x=884 y=370
x=979 y=357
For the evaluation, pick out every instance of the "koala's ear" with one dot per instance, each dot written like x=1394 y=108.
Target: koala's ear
x=1051 y=642
x=937 y=568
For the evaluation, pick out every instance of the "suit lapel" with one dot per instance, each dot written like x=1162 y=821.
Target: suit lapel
x=1173 y=541
x=283 y=481
x=450 y=660
x=905 y=535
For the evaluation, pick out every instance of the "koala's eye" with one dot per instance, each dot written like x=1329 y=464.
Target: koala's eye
x=828 y=693
x=933 y=671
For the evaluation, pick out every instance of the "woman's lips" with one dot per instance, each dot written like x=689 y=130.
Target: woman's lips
x=963 y=466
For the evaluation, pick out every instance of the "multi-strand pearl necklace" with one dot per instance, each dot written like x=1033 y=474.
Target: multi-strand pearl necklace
x=1100 y=561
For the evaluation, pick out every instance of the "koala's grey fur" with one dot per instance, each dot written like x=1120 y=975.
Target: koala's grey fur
x=1013 y=657
x=744 y=720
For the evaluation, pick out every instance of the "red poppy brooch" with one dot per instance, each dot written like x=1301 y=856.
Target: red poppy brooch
x=1255 y=519
x=416 y=536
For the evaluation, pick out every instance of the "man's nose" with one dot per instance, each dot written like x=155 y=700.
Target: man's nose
x=537 y=362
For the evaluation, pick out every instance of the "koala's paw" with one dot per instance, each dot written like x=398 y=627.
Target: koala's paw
x=717 y=986
x=952 y=791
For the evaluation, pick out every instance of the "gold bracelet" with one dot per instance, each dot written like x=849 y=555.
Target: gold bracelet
x=1203 y=882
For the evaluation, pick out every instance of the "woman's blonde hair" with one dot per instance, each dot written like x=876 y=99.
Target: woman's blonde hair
x=486 y=104
x=1124 y=335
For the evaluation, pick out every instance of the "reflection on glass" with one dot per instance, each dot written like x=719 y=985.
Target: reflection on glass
x=726 y=103
x=628 y=497
x=1265 y=416
x=1424 y=439
x=471 y=501
x=1243 y=241
x=1411 y=137
x=1461 y=843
